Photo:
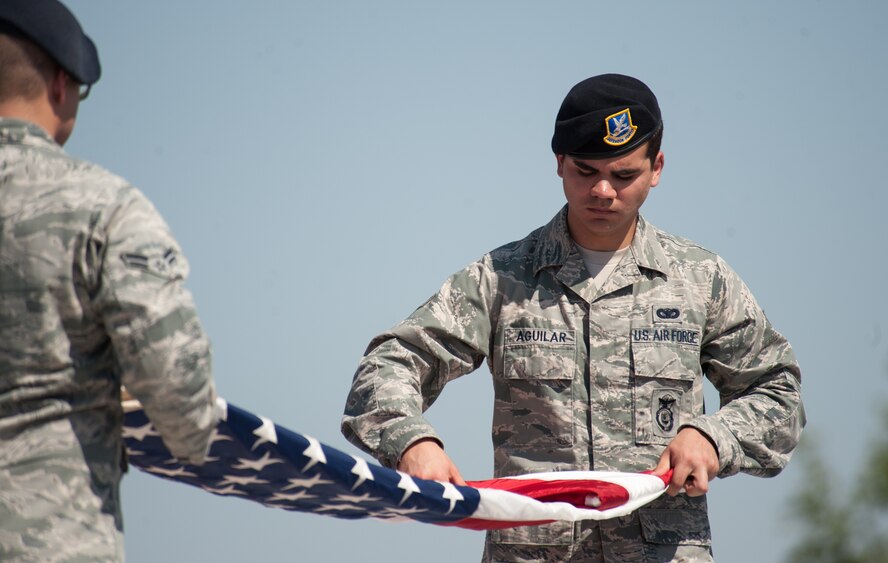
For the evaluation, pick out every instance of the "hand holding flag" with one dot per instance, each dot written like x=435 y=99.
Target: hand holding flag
x=691 y=459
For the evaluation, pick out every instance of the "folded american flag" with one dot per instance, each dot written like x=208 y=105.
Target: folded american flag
x=253 y=458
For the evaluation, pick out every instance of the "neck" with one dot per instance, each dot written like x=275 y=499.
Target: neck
x=33 y=111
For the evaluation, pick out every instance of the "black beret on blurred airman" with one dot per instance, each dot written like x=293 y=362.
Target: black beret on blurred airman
x=605 y=116
x=50 y=25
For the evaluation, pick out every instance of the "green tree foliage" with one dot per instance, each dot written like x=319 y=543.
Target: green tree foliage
x=837 y=527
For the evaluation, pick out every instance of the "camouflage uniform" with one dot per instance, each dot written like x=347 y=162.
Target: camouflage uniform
x=91 y=297
x=592 y=378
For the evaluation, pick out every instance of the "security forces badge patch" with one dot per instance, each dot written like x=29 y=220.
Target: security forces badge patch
x=620 y=128
x=664 y=403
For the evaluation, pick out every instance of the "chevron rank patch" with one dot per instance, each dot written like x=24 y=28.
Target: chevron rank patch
x=162 y=261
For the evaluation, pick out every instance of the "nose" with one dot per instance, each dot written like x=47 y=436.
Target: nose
x=604 y=190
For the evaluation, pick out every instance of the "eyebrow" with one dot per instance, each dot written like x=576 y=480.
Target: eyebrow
x=621 y=171
x=583 y=165
x=626 y=172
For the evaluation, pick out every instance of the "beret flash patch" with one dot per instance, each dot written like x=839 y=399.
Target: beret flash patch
x=619 y=128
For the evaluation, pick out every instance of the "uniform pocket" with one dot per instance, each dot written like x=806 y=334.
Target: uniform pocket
x=534 y=353
x=663 y=377
x=554 y=534
x=675 y=527
x=539 y=367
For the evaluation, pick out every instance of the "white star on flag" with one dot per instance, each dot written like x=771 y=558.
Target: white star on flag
x=256 y=465
x=404 y=511
x=141 y=432
x=306 y=483
x=222 y=409
x=366 y=497
x=451 y=494
x=177 y=472
x=237 y=480
x=408 y=485
x=328 y=507
x=285 y=497
x=362 y=470
x=229 y=490
x=266 y=433
x=314 y=453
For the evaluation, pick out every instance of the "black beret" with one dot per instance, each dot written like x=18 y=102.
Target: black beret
x=50 y=25
x=605 y=116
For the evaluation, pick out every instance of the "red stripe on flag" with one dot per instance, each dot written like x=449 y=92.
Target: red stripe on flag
x=572 y=491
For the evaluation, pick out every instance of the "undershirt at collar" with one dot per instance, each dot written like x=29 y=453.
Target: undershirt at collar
x=601 y=264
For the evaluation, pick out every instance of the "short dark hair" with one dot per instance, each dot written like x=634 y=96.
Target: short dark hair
x=654 y=143
x=23 y=67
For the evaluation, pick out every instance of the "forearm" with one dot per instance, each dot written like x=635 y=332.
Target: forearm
x=757 y=432
x=383 y=412
x=758 y=378
x=166 y=365
x=404 y=370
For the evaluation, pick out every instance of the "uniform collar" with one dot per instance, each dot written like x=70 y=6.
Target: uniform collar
x=18 y=132
x=647 y=250
x=555 y=246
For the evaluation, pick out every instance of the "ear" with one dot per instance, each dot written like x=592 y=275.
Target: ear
x=659 y=161
x=559 y=158
x=57 y=89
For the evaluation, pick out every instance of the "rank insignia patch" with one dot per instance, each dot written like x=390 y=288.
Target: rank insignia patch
x=619 y=128
x=162 y=262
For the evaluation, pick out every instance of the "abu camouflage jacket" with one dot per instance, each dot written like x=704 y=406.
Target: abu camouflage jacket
x=91 y=297
x=591 y=378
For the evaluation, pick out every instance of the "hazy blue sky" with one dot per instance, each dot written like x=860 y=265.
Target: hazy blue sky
x=326 y=165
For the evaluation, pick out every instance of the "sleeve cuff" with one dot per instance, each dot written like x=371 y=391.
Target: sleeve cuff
x=730 y=454
x=398 y=436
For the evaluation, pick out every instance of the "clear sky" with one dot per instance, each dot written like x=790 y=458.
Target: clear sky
x=326 y=165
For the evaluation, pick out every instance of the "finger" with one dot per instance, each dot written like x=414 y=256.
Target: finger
x=697 y=484
x=433 y=474
x=455 y=477
x=679 y=480
x=664 y=465
x=423 y=469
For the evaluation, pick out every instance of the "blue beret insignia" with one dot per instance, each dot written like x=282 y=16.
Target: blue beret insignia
x=620 y=128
